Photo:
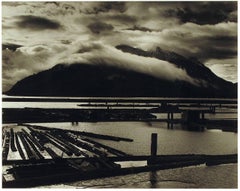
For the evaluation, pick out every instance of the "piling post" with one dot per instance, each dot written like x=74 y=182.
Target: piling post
x=168 y=120
x=154 y=145
x=171 y=120
x=151 y=160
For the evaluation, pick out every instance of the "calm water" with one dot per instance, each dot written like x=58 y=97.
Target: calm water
x=170 y=141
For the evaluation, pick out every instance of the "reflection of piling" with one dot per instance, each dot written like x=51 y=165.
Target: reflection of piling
x=153 y=179
x=74 y=123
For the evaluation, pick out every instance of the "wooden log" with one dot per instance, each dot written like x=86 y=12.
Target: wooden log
x=87 y=134
x=109 y=149
x=12 y=140
x=5 y=150
x=41 y=148
x=106 y=163
x=19 y=147
x=59 y=138
x=65 y=174
x=52 y=153
x=26 y=146
x=85 y=145
x=63 y=149
x=33 y=148
x=159 y=159
x=64 y=143
x=71 y=140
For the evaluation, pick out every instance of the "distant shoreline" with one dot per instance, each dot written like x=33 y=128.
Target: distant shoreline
x=122 y=99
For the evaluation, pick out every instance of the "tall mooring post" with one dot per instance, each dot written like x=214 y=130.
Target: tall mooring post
x=154 y=145
x=151 y=160
x=170 y=120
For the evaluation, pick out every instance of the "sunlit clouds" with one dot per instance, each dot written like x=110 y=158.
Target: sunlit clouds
x=38 y=35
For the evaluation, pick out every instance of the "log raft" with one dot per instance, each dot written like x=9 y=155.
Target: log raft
x=35 y=169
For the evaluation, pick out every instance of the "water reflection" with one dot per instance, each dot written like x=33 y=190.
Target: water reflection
x=153 y=179
x=74 y=123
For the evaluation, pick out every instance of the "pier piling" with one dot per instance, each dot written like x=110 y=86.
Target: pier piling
x=154 y=145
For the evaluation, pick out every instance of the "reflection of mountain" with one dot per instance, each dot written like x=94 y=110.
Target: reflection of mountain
x=105 y=80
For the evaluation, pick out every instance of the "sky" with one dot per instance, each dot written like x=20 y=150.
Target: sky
x=38 y=35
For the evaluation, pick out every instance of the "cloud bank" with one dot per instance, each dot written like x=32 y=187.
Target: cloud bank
x=38 y=35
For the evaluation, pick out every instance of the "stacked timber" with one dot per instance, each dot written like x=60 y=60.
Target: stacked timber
x=6 y=146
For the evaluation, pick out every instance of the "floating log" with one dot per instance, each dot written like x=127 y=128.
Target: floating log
x=26 y=146
x=12 y=142
x=105 y=137
x=42 y=139
x=6 y=146
x=19 y=147
x=37 y=154
x=41 y=148
x=109 y=149
x=63 y=171
x=107 y=163
x=69 y=153
x=81 y=143
x=74 y=142
x=87 y=134
x=65 y=143
x=208 y=159
x=52 y=153
x=85 y=145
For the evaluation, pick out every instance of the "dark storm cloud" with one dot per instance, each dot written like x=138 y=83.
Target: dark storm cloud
x=205 y=12
x=218 y=47
x=104 y=7
x=98 y=27
x=37 y=23
x=10 y=46
x=53 y=2
x=224 y=41
x=218 y=53
x=122 y=18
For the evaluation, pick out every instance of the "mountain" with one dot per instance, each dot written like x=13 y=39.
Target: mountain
x=192 y=66
x=81 y=79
